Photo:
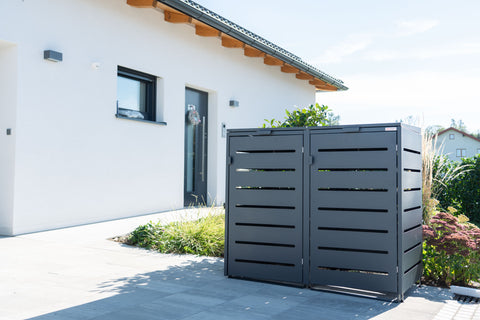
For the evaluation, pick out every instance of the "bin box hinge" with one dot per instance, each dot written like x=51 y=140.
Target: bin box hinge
x=310 y=160
x=302 y=261
x=397 y=269
x=230 y=160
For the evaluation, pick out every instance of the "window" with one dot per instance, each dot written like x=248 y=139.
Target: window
x=451 y=136
x=461 y=153
x=478 y=150
x=136 y=95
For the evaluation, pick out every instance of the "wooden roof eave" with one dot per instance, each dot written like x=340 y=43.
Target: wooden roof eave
x=250 y=48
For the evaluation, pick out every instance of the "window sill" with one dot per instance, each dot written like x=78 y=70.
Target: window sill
x=141 y=120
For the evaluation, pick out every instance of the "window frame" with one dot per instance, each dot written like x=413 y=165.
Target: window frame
x=150 y=81
x=451 y=136
x=462 y=151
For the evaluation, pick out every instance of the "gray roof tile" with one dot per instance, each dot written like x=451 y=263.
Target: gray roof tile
x=234 y=30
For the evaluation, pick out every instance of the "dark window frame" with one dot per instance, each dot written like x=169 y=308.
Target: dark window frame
x=150 y=81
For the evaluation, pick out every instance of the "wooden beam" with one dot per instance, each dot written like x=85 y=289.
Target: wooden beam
x=164 y=7
x=230 y=42
x=271 y=61
x=142 y=3
x=326 y=89
x=289 y=69
x=176 y=17
x=206 y=31
x=304 y=76
x=322 y=85
x=252 y=52
x=318 y=82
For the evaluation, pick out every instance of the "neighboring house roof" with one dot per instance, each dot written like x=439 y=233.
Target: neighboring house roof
x=459 y=131
x=208 y=23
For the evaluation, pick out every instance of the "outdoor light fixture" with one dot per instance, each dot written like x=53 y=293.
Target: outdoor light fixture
x=234 y=103
x=51 y=55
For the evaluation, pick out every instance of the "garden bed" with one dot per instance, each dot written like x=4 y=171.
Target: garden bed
x=201 y=236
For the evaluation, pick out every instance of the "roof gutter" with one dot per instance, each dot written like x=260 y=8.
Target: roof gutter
x=227 y=27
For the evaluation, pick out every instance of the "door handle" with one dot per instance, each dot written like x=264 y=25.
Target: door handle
x=203 y=149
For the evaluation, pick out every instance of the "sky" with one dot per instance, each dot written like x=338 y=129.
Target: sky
x=417 y=58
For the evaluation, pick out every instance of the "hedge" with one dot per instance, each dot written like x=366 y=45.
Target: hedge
x=463 y=192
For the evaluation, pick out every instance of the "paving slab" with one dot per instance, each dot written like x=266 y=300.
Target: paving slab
x=77 y=273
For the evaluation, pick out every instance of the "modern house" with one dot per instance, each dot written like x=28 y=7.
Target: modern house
x=456 y=144
x=118 y=108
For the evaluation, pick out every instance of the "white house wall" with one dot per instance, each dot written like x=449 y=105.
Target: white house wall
x=8 y=102
x=75 y=162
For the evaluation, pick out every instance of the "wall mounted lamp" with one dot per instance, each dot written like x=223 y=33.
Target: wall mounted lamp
x=51 y=55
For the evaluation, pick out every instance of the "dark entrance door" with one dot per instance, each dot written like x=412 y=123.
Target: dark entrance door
x=196 y=124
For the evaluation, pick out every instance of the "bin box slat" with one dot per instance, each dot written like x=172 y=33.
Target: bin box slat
x=367 y=261
x=362 y=281
x=271 y=272
x=412 y=237
x=411 y=179
x=412 y=218
x=379 y=160
x=351 y=180
x=345 y=238
x=268 y=179
x=266 y=234
x=354 y=199
x=360 y=220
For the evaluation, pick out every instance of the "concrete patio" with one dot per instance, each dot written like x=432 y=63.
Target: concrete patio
x=76 y=273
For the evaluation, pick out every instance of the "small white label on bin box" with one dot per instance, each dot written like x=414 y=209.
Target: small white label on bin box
x=391 y=129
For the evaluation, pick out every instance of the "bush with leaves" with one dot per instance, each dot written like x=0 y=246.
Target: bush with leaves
x=463 y=190
x=451 y=250
x=311 y=116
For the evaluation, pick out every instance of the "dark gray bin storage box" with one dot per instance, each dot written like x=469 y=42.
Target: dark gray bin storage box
x=334 y=208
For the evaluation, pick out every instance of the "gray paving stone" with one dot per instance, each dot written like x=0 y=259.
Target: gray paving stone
x=229 y=311
x=76 y=273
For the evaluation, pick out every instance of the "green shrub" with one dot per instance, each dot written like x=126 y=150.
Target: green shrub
x=311 y=116
x=463 y=191
x=451 y=252
x=204 y=236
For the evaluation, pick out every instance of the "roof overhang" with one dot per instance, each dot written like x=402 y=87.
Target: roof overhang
x=458 y=131
x=209 y=24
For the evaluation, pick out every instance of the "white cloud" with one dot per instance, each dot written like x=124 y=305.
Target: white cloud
x=453 y=49
x=407 y=28
x=352 y=44
x=355 y=43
